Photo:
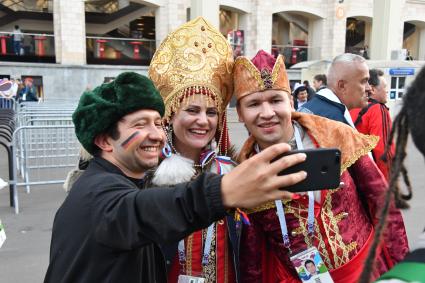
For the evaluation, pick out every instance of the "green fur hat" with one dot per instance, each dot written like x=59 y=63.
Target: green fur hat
x=100 y=108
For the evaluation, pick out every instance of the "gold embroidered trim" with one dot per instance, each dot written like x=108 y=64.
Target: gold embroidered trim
x=340 y=216
x=297 y=231
x=330 y=223
x=267 y=205
x=322 y=246
x=189 y=255
x=209 y=272
x=373 y=141
x=351 y=246
x=252 y=69
x=335 y=240
x=297 y=209
x=276 y=69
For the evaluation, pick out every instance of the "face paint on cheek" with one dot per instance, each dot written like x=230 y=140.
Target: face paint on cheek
x=130 y=140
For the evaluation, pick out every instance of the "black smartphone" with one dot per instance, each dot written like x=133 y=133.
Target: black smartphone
x=323 y=167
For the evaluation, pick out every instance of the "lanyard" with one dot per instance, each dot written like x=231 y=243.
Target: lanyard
x=207 y=247
x=281 y=212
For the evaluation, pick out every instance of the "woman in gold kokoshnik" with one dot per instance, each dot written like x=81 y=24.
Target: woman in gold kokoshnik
x=192 y=69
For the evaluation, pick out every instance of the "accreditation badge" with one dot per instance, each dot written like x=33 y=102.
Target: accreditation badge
x=310 y=267
x=190 y=279
x=2 y=234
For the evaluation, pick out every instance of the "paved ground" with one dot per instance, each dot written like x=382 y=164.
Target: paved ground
x=24 y=256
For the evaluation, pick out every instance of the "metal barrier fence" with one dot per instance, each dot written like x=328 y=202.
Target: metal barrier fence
x=34 y=120
x=40 y=114
x=7 y=127
x=44 y=145
x=46 y=151
x=7 y=103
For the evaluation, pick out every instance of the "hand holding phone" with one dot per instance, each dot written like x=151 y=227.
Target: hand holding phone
x=323 y=167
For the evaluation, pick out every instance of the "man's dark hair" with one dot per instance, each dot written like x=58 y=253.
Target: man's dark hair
x=306 y=83
x=409 y=119
x=374 y=75
x=112 y=132
x=309 y=261
x=321 y=78
x=16 y=26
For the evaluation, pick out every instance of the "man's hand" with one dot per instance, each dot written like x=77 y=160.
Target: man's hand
x=255 y=181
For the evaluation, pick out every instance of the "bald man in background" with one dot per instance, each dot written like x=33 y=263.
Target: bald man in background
x=348 y=88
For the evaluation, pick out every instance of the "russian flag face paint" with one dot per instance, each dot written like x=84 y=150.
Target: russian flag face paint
x=130 y=140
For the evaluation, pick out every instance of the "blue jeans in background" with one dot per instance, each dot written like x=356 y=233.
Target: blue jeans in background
x=17 y=47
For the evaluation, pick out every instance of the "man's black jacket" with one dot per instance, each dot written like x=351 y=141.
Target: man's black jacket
x=109 y=230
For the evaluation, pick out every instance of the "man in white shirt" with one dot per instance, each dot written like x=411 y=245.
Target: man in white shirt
x=17 y=39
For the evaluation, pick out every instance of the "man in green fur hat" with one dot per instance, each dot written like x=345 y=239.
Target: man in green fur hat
x=109 y=229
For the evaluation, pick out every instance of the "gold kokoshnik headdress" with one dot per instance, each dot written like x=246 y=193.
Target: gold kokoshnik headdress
x=194 y=59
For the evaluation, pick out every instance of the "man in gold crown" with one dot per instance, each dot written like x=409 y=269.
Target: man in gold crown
x=336 y=226
x=192 y=70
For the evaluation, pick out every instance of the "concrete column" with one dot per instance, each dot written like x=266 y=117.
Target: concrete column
x=315 y=31
x=257 y=27
x=367 y=33
x=70 y=32
x=332 y=41
x=50 y=6
x=207 y=9
x=421 y=49
x=245 y=26
x=282 y=32
x=264 y=31
x=387 y=29
x=168 y=18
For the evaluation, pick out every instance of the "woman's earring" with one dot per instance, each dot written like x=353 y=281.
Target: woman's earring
x=166 y=150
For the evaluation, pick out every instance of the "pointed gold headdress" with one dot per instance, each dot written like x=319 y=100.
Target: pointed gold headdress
x=261 y=73
x=194 y=59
